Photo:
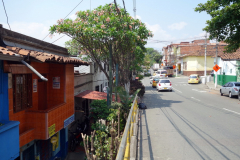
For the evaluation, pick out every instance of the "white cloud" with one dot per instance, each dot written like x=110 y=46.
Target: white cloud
x=138 y=17
x=177 y=26
x=73 y=16
x=38 y=31
x=160 y=39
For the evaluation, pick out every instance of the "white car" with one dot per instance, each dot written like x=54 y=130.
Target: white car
x=164 y=85
x=161 y=73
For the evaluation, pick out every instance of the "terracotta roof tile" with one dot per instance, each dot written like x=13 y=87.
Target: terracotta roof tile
x=6 y=51
x=230 y=56
x=42 y=56
x=95 y=95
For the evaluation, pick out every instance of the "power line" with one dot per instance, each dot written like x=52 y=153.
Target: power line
x=6 y=15
x=7 y=19
x=159 y=41
x=65 y=17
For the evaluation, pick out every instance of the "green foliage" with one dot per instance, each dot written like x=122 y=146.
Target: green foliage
x=224 y=22
x=96 y=29
x=158 y=58
x=99 y=110
x=126 y=99
x=140 y=76
x=99 y=127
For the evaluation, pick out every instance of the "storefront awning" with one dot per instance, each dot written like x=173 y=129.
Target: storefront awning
x=94 y=95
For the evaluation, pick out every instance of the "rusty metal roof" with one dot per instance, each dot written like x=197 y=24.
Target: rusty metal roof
x=41 y=56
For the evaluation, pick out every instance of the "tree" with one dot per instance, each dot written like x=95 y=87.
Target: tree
x=225 y=21
x=158 y=58
x=73 y=47
x=106 y=26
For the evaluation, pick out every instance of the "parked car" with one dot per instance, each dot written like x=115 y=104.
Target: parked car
x=154 y=82
x=164 y=84
x=194 y=78
x=152 y=77
x=161 y=73
x=230 y=88
x=154 y=73
x=212 y=73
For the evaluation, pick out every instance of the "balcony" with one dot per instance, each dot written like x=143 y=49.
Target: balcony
x=42 y=124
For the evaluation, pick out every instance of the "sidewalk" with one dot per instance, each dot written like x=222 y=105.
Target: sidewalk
x=211 y=85
x=78 y=154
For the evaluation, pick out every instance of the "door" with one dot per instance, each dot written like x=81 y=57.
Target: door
x=229 y=88
x=224 y=88
x=42 y=94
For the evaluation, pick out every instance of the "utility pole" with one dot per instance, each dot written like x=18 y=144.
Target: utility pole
x=134 y=8
x=216 y=63
x=205 y=65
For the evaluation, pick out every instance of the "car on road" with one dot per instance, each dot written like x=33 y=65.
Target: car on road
x=230 y=88
x=164 y=84
x=194 y=78
x=154 y=82
x=212 y=73
x=161 y=73
x=152 y=77
x=154 y=73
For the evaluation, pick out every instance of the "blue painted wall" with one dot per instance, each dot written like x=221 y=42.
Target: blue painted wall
x=4 y=114
x=9 y=130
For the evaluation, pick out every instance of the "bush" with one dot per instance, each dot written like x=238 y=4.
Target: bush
x=134 y=85
x=99 y=110
x=140 y=76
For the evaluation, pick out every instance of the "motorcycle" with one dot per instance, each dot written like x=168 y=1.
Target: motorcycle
x=76 y=136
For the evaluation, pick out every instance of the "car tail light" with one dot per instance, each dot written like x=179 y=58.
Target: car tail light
x=197 y=78
x=159 y=84
x=153 y=81
x=236 y=89
x=165 y=75
x=170 y=83
x=189 y=79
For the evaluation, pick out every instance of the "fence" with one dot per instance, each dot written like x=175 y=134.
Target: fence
x=223 y=79
x=124 y=148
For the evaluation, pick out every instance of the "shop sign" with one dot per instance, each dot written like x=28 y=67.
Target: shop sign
x=54 y=141
x=51 y=130
x=68 y=121
x=34 y=85
x=56 y=82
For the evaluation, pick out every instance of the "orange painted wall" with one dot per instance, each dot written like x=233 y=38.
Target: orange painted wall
x=34 y=123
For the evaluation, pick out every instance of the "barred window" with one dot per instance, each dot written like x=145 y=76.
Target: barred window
x=22 y=92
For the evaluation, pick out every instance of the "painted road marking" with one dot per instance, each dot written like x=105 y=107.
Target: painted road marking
x=231 y=111
x=198 y=90
x=176 y=90
x=195 y=99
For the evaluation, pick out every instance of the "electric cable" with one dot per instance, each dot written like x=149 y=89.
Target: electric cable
x=66 y=16
x=7 y=19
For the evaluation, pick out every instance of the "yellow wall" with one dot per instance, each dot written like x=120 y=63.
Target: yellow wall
x=197 y=63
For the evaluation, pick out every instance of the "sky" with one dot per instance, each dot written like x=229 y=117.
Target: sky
x=171 y=21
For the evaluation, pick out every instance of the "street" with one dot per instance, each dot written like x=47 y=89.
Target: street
x=190 y=123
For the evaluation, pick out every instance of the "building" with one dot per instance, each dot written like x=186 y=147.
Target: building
x=40 y=94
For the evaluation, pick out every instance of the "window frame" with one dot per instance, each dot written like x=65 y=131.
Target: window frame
x=23 y=99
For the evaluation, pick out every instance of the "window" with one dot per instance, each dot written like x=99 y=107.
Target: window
x=230 y=70
x=95 y=67
x=97 y=88
x=237 y=84
x=164 y=81
x=22 y=91
x=105 y=67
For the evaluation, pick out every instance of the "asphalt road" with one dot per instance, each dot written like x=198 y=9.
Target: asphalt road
x=190 y=123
